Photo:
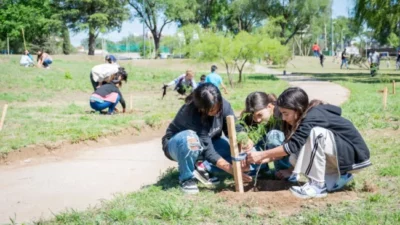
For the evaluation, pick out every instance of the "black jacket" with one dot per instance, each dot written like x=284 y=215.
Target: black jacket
x=352 y=151
x=189 y=118
x=109 y=88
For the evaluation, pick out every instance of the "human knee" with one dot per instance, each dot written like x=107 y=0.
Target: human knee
x=192 y=141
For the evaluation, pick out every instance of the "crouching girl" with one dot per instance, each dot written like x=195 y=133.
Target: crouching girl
x=322 y=145
x=109 y=95
x=196 y=132
x=261 y=110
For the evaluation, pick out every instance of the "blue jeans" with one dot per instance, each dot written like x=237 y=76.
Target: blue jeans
x=344 y=61
x=316 y=54
x=47 y=62
x=273 y=139
x=184 y=147
x=98 y=106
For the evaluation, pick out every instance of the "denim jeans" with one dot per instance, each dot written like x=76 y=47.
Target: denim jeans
x=273 y=139
x=344 y=61
x=47 y=62
x=316 y=54
x=98 y=106
x=184 y=147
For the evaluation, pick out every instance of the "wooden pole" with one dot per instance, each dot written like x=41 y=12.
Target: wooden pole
x=23 y=36
x=385 y=94
x=237 y=169
x=131 y=102
x=394 y=87
x=3 y=116
x=8 y=45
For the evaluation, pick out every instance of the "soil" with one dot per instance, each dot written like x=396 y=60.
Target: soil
x=274 y=196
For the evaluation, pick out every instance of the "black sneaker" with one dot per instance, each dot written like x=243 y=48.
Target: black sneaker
x=189 y=186
x=204 y=177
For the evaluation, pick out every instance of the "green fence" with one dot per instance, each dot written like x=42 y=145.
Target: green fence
x=131 y=47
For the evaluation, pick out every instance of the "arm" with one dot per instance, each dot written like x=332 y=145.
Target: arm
x=121 y=100
x=175 y=81
x=40 y=62
x=266 y=156
x=223 y=87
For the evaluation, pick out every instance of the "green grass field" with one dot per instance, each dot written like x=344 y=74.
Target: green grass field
x=51 y=105
x=36 y=116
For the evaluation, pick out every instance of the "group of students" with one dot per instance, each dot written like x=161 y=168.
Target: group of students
x=107 y=80
x=43 y=59
x=302 y=137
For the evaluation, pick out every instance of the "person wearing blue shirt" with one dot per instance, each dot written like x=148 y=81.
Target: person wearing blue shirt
x=215 y=78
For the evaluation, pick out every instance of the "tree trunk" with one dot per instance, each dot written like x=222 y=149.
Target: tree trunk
x=156 y=45
x=228 y=73
x=92 y=40
x=66 y=41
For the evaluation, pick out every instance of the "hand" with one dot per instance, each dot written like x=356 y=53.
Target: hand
x=245 y=166
x=246 y=178
x=255 y=157
x=248 y=146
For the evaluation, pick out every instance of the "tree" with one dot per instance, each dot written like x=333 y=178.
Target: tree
x=66 y=41
x=156 y=14
x=394 y=40
x=94 y=16
x=295 y=15
x=235 y=51
x=32 y=16
x=244 y=15
x=383 y=16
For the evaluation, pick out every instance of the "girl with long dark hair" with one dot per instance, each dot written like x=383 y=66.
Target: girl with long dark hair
x=322 y=145
x=196 y=132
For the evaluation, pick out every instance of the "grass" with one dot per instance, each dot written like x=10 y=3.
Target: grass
x=52 y=105
x=163 y=203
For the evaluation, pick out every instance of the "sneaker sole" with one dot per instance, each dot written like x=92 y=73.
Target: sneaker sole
x=306 y=196
x=201 y=179
x=193 y=191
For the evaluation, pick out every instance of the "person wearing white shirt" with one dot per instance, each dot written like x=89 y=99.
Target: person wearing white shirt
x=102 y=73
x=183 y=83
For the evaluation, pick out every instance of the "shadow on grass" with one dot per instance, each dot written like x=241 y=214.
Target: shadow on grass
x=169 y=179
x=350 y=77
x=262 y=77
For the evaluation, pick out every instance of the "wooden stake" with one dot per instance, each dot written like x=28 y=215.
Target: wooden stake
x=385 y=94
x=394 y=87
x=23 y=36
x=131 y=102
x=3 y=116
x=237 y=169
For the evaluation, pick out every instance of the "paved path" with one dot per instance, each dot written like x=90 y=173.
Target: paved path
x=32 y=192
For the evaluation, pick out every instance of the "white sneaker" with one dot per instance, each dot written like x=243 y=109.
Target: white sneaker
x=309 y=190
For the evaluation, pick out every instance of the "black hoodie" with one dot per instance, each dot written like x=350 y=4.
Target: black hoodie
x=189 y=118
x=352 y=151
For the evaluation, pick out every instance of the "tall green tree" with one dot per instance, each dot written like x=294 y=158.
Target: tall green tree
x=244 y=15
x=94 y=16
x=296 y=15
x=383 y=16
x=32 y=16
x=157 y=14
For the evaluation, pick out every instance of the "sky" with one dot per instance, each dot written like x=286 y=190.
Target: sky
x=340 y=8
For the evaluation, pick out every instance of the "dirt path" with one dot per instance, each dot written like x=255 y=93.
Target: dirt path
x=33 y=191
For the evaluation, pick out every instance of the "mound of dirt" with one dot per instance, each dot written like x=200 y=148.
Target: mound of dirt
x=271 y=196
